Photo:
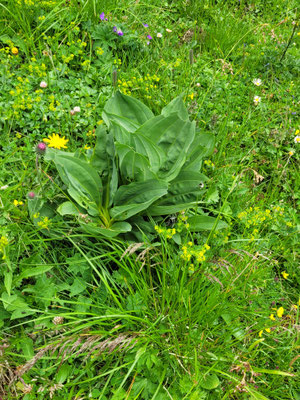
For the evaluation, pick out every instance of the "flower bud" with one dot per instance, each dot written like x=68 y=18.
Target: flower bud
x=43 y=84
x=41 y=148
x=31 y=195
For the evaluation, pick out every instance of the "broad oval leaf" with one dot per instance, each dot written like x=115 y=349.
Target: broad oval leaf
x=176 y=105
x=209 y=382
x=205 y=222
x=127 y=107
x=113 y=231
x=137 y=196
x=82 y=177
x=184 y=192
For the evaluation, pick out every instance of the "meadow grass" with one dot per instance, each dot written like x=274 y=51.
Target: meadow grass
x=84 y=316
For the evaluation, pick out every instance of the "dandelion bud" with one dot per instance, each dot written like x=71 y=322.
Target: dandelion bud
x=31 y=195
x=41 y=148
x=43 y=84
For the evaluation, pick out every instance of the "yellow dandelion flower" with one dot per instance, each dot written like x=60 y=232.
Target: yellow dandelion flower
x=280 y=312
x=56 y=141
x=284 y=274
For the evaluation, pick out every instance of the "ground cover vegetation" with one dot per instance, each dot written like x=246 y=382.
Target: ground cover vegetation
x=149 y=188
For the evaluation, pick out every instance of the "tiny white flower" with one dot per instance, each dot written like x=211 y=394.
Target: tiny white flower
x=297 y=139
x=4 y=187
x=257 y=82
x=76 y=109
x=256 y=100
x=168 y=30
x=72 y=112
x=43 y=84
x=159 y=35
x=198 y=84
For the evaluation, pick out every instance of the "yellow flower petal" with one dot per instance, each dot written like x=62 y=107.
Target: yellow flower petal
x=56 y=141
x=280 y=312
x=260 y=333
x=268 y=330
x=284 y=274
x=272 y=318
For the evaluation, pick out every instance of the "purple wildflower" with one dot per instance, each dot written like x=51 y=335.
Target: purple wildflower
x=149 y=37
x=120 y=33
x=31 y=195
x=41 y=148
x=102 y=16
x=115 y=29
x=146 y=25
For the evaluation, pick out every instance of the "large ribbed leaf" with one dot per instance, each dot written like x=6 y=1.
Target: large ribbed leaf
x=125 y=123
x=184 y=192
x=103 y=160
x=174 y=137
x=113 y=231
x=135 y=197
x=127 y=107
x=176 y=144
x=176 y=105
x=82 y=177
x=202 y=146
x=205 y=222
x=148 y=148
x=133 y=165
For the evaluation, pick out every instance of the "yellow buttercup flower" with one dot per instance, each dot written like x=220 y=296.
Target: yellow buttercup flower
x=284 y=274
x=56 y=141
x=280 y=312
x=15 y=51
x=268 y=330
x=272 y=318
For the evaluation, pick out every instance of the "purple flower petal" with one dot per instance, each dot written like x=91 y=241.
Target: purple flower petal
x=149 y=37
x=115 y=29
x=146 y=25
x=102 y=16
x=120 y=33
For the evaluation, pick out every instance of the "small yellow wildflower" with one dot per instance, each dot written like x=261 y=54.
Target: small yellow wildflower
x=268 y=330
x=14 y=51
x=56 y=141
x=280 y=312
x=291 y=153
x=86 y=147
x=272 y=318
x=44 y=223
x=284 y=274
x=260 y=333
x=18 y=203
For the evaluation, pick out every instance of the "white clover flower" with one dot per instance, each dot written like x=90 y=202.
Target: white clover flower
x=76 y=109
x=159 y=35
x=43 y=84
x=297 y=139
x=256 y=100
x=257 y=82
